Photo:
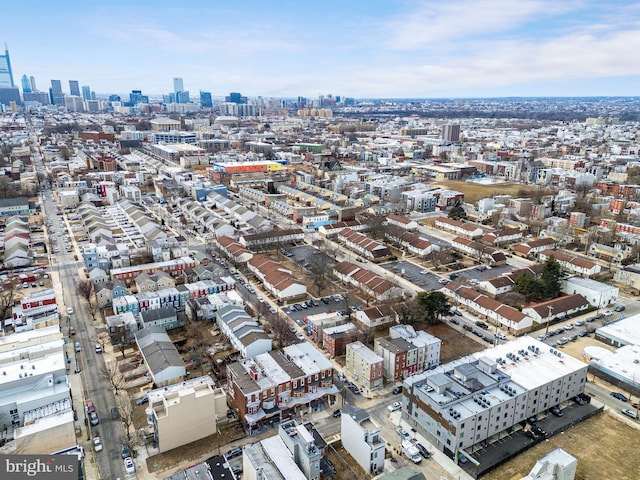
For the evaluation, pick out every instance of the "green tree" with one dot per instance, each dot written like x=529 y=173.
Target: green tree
x=434 y=304
x=551 y=276
x=529 y=287
x=457 y=213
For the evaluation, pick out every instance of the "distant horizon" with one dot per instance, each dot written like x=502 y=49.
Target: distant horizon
x=422 y=49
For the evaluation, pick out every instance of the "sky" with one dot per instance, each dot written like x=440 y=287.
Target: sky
x=353 y=48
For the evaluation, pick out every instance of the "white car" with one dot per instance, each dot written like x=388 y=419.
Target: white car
x=608 y=313
x=69 y=310
x=394 y=406
x=501 y=336
x=97 y=444
x=129 y=467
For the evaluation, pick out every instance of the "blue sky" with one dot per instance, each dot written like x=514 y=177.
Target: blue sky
x=357 y=48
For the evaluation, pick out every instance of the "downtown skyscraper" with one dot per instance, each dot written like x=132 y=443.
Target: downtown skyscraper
x=6 y=75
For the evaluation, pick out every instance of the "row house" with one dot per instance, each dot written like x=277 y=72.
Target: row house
x=413 y=243
x=427 y=355
x=457 y=227
x=401 y=222
x=499 y=237
x=233 y=249
x=331 y=231
x=394 y=358
x=516 y=322
x=244 y=332
x=557 y=309
x=364 y=366
x=483 y=253
x=154 y=282
x=504 y=283
x=175 y=268
x=276 y=279
x=39 y=308
x=335 y=339
x=365 y=246
x=371 y=283
x=534 y=247
x=126 y=303
x=165 y=298
x=278 y=385
x=615 y=189
x=273 y=237
x=607 y=253
x=572 y=263
x=316 y=324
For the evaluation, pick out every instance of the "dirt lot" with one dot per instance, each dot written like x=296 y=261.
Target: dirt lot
x=603 y=446
x=454 y=343
x=346 y=466
x=474 y=192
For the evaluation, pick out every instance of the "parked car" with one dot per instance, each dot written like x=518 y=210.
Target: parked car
x=236 y=469
x=457 y=312
x=97 y=444
x=394 y=406
x=69 y=310
x=568 y=326
x=124 y=451
x=477 y=333
x=397 y=390
x=115 y=413
x=142 y=400
x=468 y=328
x=234 y=452
x=556 y=411
x=77 y=347
x=620 y=308
x=619 y=396
x=72 y=331
x=608 y=313
x=455 y=321
x=579 y=323
x=98 y=348
x=129 y=467
x=325 y=300
x=337 y=413
x=579 y=400
x=423 y=451
x=93 y=419
x=404 y=434
x=629 y=413
x=501 y=336
x=482 y=325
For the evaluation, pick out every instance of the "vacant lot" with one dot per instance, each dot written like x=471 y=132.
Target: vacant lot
x=605 y=449
x=454 y=343
x=474 y=192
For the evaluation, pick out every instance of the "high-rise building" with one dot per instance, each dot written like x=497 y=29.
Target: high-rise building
x=74 y=103
x=86 y=92
x=32 y=79
x=178 y=85
x=41 y=98
x=55 y=92
x=6 y=75
x=235 y=97
x=26 y=84
x=451 y=133
x=136 y=97
x=205 y=100
x=74 y=88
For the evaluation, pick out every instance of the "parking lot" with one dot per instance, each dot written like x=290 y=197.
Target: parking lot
x=491 y=272
x=415 y=274
x=331 y=303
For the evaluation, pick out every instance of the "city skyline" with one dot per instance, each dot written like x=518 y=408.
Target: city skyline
x=422 y=49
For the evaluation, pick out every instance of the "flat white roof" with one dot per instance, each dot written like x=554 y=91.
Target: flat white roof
x=365 y=352
x=532 y=371
x=591 y=284
x=271 y=367
x=307 y=357
x=623 y=363
x=53 y=362
x=626 y=330
x=282 y=458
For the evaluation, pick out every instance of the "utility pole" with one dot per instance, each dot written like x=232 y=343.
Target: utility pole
x=548 y=319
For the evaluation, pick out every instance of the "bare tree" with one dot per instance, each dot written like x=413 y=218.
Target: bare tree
x=126 y=413
x=7 y=296
x=112 y=374
x=281 y=331
x=86 y=291
x=320 y=265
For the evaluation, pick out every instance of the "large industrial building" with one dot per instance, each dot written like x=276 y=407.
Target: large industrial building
x=474 y=399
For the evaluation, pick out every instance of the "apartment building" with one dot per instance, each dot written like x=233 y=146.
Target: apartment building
x=364 y=366
x=276 y=278
x=366 y=280
x=470 y=400
x=362 y=438
x=572 y=263
x=365 y=246
x=412 y=243
x=278 y=385
x=185 y=412
x=457 y=227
